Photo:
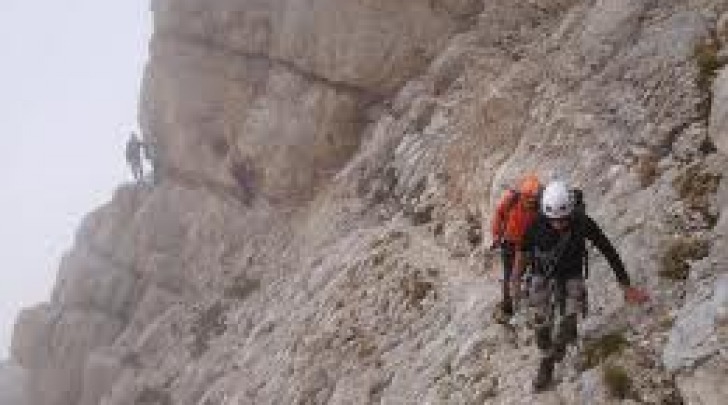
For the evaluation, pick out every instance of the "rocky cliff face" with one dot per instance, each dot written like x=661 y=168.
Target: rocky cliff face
x=13 y=384
x=326 y=167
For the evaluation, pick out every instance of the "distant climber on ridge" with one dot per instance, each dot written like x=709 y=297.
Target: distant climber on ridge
x=555 y=248
x=514 y=213
x=152 y=154
x=134 y=156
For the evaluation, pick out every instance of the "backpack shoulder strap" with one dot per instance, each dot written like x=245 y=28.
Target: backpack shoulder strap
x=505 y=206
x=513 y=197
x=550 y=258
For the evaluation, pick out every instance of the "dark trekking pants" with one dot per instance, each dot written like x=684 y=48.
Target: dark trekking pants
x=549 y=295
x=508 y=257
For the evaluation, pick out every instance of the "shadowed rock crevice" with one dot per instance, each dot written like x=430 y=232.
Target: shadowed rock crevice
x=266 y=62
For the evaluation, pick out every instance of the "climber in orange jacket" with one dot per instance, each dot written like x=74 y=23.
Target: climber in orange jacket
x=514 y=214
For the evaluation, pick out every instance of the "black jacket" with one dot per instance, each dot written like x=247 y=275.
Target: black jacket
x=541 y=237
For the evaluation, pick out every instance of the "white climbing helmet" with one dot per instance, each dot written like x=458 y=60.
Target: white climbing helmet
x=557 y=201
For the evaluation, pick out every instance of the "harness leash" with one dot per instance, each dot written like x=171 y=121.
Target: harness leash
x=548 y=259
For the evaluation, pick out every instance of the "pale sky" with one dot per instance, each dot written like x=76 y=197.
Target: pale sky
x=70 y=74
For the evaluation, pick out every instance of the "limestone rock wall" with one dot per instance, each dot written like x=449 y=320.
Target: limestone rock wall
x=13 y=384
x=271 y=93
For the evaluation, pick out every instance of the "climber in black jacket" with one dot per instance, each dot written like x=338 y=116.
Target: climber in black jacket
x=555 y=248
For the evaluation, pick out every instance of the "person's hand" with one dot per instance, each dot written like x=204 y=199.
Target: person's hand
x=634 y=295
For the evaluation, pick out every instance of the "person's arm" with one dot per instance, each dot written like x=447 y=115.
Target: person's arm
x=499 y=219
x=596 y=236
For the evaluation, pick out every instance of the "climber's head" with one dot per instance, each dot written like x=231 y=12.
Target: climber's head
x=557 y=204
x=530 y=188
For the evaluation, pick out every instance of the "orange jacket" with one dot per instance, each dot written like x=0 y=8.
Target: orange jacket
x=512 y=219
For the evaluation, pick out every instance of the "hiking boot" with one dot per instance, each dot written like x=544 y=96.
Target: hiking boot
x=500 y=315
x=507 y=307
x=559 y=351
x=543 y=338
x=567 y=330
x=545 y=375
x=566 y=335
x=503 y=311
